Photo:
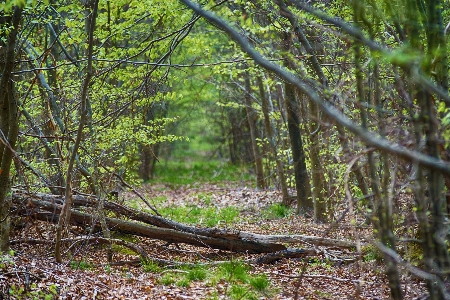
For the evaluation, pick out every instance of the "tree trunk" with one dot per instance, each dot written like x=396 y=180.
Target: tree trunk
x=252 y=124
x=37 y=203
x=66 y=210
x=9 y=123
x=318 y=178
x=302 y=184
x=304 y=201
x=383 y=208
x=267 y=109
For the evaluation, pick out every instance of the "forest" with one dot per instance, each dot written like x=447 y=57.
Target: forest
x=224 y=149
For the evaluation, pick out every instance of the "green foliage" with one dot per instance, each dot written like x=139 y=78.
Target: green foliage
x=277 y=210
x=167 y=279
x=240 y=283
x=371 y=253
x=183 y=282
x=414 y=254
x=235 y=271
x=320 y=263
x=80 y=265
x=151 y=267
x=34 y=292
x=181 y=173
x=122 y=249
x=196 y=273
x=125 y=237
x=243 y=284
x=6 y=260
x=185 y=275
x=323 y=294
x=210 y=216
x=260 y=282
x=239 y=292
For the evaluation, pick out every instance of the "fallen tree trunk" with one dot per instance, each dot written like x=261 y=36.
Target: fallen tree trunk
x=165 y=234
x=225 y=239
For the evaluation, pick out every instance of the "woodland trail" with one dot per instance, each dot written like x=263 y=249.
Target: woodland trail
x=332 y=274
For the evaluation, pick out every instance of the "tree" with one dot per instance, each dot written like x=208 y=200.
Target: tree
x=9 y=120
x=426 y=162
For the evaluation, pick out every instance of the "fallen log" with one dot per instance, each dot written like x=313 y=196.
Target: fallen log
x=127 y=227
x=288 y=253
x=228 y=234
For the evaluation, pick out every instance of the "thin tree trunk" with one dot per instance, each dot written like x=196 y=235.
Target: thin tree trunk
x=317 y=171
x=304 y=200
x=252 y=118
x=267 y=109
x=64 y=220
x=383 y=209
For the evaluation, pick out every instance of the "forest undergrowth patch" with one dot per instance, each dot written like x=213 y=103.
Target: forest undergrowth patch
x=30 y=271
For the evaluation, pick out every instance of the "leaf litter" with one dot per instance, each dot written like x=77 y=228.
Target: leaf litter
x=86 y=275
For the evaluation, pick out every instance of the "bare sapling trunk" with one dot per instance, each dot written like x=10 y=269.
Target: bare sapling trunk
x=267 y=108
x=64 y=219
x=252 y=124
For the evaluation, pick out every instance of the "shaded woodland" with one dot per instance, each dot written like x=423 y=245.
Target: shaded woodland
x=340 y=106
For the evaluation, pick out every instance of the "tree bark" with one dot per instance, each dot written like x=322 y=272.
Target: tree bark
x=37 y=203
x=267 y=108
x=318 y=178
x=302 y=184
x=9 y=123
x=65 y=218
x=252 y=124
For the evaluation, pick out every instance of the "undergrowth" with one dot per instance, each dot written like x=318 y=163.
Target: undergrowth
x=177 y=173
x=233 y=278
x=209 y=216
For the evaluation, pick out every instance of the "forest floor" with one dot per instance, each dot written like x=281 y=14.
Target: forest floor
x=32 y=273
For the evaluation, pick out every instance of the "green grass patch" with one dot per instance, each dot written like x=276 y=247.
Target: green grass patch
x=321 y=263
x=244 y=285
x=241 y=283
x=197 y=273
x=277 y=211
x=323 y=294
x=122 y=249
x=209 y=216
x=260 y=282
x=206 y=197
x=80 y=265
x=192 y=173
x=371 y=253
x=125 y=237
x=151 y=267
x=167 y=279
x=234 y=271
x=241 y=292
